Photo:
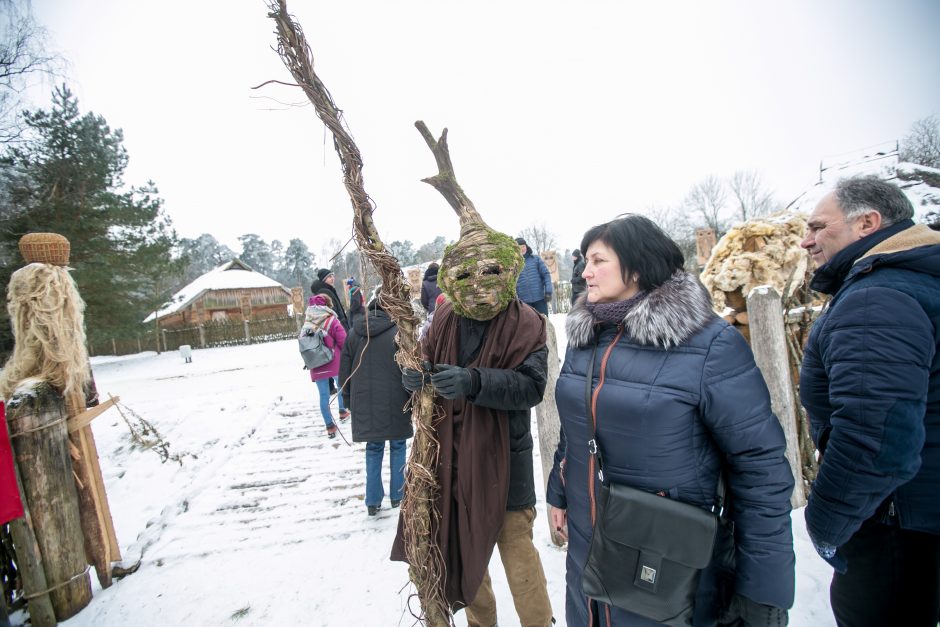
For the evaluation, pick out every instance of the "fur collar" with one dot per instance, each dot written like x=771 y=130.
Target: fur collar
x=671 y=314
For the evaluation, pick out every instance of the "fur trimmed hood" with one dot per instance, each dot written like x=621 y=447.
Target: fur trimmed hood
x=668 y=316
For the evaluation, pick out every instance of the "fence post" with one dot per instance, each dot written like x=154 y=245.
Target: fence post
x=247 y=332
x=113 y=346
x=202 y=336
x=41 y=448
x=165 y=345
x=549 y=424
x=139 y=347
x=769 y=343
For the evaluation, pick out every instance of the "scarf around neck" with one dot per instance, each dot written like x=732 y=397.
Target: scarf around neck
x=615 y=312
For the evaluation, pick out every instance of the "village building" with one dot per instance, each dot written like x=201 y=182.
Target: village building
x=231 y=292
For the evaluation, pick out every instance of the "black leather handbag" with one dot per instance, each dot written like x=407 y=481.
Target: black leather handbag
x=647 y=551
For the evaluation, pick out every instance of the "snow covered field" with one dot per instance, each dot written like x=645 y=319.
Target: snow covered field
x=263 y=522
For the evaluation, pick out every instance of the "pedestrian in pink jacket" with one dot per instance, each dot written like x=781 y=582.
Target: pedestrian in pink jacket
x=320 y=315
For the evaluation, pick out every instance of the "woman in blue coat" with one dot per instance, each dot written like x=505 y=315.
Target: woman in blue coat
x=677 y=398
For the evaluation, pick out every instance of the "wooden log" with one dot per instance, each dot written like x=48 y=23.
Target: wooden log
x=769 y=343
x=29 y=564
x=96 y=523
x=549 y=423
x=40 y=444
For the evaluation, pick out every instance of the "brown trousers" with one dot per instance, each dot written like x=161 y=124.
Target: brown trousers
x=523 y=572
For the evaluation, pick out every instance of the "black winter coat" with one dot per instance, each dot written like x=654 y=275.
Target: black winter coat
x=870 y=382
x=517 y=391
x=429 y=293
x=374 y=394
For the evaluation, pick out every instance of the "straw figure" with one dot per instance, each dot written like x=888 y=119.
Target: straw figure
x=426 y=564
x=47 y=312
x=761 y=251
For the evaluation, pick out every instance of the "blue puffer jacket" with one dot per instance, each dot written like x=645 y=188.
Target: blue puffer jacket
x=535 y=281
x=679 y=393
x=871 y=385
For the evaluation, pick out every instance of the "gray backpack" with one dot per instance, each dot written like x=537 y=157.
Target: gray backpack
x=313 y=349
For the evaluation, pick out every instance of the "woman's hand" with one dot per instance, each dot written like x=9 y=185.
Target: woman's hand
x=559 y=521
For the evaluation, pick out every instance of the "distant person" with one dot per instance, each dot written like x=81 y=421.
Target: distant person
x=870 y=382
x=534 y=286
x=423 y=329
x=323 y=284
x=371 y=383
x=429 y=288
x=320 y=315
x=355 y=299
x=578 y=284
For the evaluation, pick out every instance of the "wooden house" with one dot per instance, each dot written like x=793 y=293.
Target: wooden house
x=232 y=292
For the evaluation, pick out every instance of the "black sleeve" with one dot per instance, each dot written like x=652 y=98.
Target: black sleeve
x=346 y=366
x=518 y=388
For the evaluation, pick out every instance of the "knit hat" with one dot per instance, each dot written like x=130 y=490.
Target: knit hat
x=520 y=241
x=322 y=273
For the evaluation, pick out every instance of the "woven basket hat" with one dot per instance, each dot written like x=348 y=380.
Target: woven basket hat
x=50 y=248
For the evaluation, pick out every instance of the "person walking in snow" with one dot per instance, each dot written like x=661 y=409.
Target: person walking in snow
x=534 y=286
x=675 y=396
x=429 y=289
x=578 y=284
x=323 y=284
x=870 y=382
x=371 y=386
x=320 y=315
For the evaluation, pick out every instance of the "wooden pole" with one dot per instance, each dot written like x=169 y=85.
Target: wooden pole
x=769 y=343
x=101 y=546
x=549 y=423
x=29 y=564
x=40 y=445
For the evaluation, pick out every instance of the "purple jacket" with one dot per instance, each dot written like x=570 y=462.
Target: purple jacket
x=335 y=338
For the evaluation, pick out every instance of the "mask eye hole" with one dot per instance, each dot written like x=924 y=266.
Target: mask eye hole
x=463 y=275
x=491 y=270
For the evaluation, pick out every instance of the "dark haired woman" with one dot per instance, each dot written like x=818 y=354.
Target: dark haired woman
x=676 y=397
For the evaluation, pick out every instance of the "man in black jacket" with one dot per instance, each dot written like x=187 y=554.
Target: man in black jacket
x=323 y=284
x=578 y=284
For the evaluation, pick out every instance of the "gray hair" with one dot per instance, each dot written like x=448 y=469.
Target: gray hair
x=860 y=194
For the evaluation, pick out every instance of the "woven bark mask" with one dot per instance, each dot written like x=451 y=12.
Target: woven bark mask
x=478 y=273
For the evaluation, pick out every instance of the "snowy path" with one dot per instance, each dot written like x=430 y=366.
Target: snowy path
x=263 y=523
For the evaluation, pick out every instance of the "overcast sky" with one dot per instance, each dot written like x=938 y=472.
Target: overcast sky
x=566 y=113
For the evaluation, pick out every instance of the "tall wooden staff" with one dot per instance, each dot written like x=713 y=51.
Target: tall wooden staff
x=418 y=513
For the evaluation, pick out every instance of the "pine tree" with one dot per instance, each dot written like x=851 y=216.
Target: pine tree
x=66 y=177
x=297 y=265
x=202 y=255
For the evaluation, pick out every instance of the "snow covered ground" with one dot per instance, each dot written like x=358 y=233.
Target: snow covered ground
x=263 y=522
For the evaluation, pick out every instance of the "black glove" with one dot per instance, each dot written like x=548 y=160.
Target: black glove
x=452 y=381
x=743 y=612
x=412 y=379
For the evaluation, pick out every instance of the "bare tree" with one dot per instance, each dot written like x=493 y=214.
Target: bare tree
x=22 y=54
x=676 y=225
x=922 y=143
x=708 y=199
x=751 y=196
x=538 y=237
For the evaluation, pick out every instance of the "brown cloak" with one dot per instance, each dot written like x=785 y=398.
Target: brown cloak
x=473 y=464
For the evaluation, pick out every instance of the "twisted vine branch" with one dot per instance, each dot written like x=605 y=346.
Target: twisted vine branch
x=417 y=510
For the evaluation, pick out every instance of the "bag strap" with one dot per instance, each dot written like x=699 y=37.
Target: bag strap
x=593 y=448
x=718 y=506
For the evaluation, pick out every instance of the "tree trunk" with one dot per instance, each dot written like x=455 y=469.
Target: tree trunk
x=549 y=424
x=769 y=343
x=29 y=564
x=40 y=444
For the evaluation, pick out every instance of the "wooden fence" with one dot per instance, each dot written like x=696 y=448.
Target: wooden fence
x=207 y=335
